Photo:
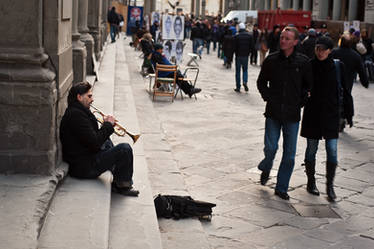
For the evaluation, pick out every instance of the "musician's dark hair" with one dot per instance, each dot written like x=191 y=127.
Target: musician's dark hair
x=78 y=88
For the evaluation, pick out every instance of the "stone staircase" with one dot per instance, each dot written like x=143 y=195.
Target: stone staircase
x=84 y=213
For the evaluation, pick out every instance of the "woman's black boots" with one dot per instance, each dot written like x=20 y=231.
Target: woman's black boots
x=330 y=175
x=310 y=169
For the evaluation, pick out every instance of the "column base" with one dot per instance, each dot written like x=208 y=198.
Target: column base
x=89 y=43
x=79 y=62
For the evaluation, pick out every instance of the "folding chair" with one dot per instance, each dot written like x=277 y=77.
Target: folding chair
x=165 y=86
x=191 y=80
x=193 y=59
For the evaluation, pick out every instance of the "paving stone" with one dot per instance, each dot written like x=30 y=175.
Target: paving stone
x=318 y=211
x=259 y=216
x=300 y=241
x=272 y=236
x=305 y=223
x=354 y=242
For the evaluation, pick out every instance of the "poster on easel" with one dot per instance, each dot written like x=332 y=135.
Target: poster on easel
x=178 y=27
x=172 y=27
x=155 y=17
x=178 y=51
x=356 y=25
x=134 y=19
x=168 y=49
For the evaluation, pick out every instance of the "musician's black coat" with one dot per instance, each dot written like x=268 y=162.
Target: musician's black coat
x=81 y=139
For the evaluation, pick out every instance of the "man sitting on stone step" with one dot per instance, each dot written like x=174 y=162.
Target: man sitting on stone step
x=157 y=57
x=87 y=149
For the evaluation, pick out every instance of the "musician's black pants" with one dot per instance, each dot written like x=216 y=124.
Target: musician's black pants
x=118 y=159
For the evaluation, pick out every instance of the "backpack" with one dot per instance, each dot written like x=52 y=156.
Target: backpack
x=177 y=207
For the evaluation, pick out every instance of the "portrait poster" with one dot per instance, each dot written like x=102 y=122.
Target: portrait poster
x=178 y=27
x=356 y=25
x=168 y=49
x=167 y=22
x=178 y=44
x=134 y=17
x=346 y=26
x=155 y=17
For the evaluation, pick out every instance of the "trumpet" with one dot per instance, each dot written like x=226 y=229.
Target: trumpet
x=118 y=129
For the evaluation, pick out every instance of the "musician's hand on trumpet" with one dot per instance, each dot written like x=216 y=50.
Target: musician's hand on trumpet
x=110 y=119
x=118 y=129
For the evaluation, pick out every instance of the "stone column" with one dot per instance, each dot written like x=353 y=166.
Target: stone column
x=203 y=5
x=79 y=49
x=85 y=36
x=306 y=5
x=260 y=5
x=104 y=12
x=352 y=10
x=94 y=24
x=35 y=74
x=295 y=4
x=267 y=4
x=336 y=10
x=253 y=5
x=323 y=9
x=197 y=8
x=369 y=13
x=274 y=4
x=285 y=4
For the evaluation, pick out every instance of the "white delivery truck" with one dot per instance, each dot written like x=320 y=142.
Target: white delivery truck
x=240 y=14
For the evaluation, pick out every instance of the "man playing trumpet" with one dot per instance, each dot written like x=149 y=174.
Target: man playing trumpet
x=87 y=149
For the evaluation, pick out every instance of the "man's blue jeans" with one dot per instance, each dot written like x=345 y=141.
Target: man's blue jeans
x=331 y=146
x=272 y=134
x=241 y=62
x=113 y=32
x=197 y=42
x=118 y=159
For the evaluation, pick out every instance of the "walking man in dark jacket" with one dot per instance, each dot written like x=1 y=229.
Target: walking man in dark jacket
x=284 y=82
x=87 y=149
x=243 y=45
x=113 y=20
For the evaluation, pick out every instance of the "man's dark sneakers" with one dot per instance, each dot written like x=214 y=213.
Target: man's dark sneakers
x=264 y=177
x=245 y=87
x=126 y=191
x=194 y=91
x=282 y=195
x=237 y=90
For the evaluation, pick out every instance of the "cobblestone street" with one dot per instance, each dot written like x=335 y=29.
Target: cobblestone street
x=209 y=148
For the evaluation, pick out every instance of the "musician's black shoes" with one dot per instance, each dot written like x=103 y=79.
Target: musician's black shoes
x=264 y=177
x=126 y=191
x=282 y=195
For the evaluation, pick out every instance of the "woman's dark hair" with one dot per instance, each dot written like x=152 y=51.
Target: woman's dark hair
x=79 y=88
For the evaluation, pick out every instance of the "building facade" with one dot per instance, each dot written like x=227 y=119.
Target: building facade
x=45 y=46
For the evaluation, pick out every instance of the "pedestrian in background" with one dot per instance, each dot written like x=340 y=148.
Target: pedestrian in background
x=113 y=21
x=284 y=82
x=256 y=44
x=353 y=64
x=273 y=39
x=322 y=112
x=227 y=47
x=243 y=45
x=263 y=40
x=197 y=37
x=307 y=45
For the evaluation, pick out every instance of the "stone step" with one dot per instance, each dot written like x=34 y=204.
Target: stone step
x=133 y=221
x=79 y=215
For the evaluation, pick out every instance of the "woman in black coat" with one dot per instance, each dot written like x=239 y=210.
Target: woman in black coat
x=322 y=113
